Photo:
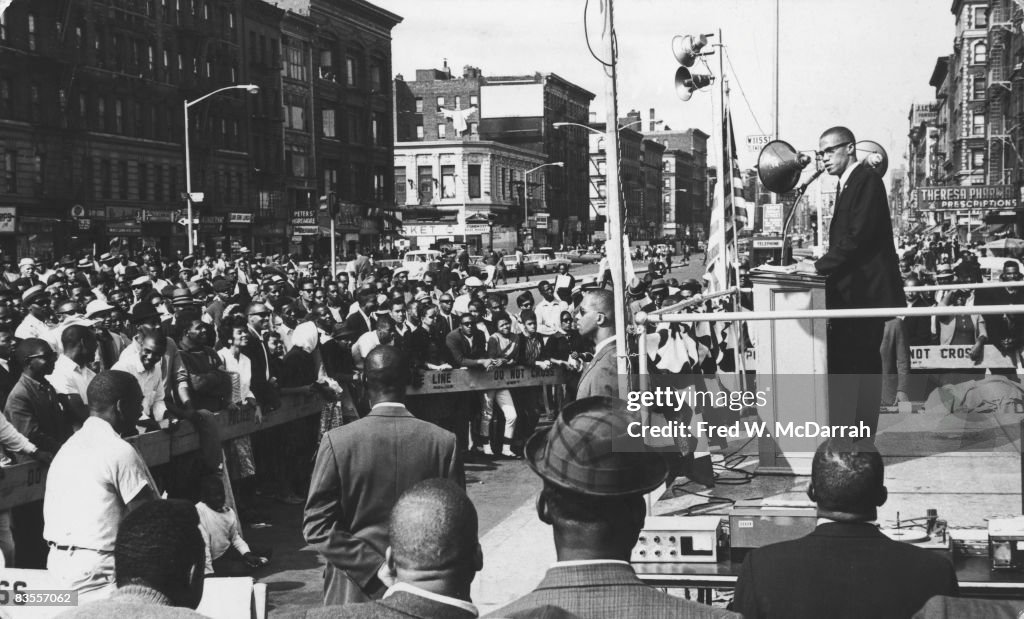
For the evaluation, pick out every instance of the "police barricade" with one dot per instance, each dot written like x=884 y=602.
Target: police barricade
x=24 y=483
x=956 y=357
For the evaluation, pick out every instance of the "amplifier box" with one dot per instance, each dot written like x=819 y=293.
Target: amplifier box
x=1006 y=543
x=754 y=523
x=679 y=539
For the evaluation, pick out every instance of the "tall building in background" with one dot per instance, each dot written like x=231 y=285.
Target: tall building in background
x=692 y=206
x=969 y=96
x=92 y=129
x=339 y=134
x=520 y=110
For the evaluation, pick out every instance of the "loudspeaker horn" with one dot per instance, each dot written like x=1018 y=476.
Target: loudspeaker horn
x=687 y=82
x=873 y=155
x=779 y=166
x=686 y=48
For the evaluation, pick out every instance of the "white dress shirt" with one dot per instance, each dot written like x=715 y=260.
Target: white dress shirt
x=92 y=479
x=69 y=378
x=241 y=367
x=549 y=316
x=152 y=382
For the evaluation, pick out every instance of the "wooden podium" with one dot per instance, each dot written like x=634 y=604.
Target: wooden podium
x=792 y=366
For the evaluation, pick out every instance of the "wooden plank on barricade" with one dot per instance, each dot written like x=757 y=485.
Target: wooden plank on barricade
x=956 y=358
x=479 y=379
x=24 y=483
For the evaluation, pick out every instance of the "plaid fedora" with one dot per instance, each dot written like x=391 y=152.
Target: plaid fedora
x=589 y=451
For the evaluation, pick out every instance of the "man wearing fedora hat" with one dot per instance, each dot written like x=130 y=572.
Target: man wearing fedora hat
x=595 y=477
x=36 y=303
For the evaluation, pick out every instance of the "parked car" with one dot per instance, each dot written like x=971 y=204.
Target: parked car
x=546 y=263
x=584 y=257
x=529 y=268
x=535 y=262
x=419 y=261
x=560 y=258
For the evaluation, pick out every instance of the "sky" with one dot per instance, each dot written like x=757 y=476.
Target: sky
x=859 y=63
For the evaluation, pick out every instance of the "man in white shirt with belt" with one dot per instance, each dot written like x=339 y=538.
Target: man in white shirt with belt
x=144 y=361
x=549 y=310
x=95 y=480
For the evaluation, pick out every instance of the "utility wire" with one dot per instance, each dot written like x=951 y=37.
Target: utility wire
x=736 y=77
x=586 y=35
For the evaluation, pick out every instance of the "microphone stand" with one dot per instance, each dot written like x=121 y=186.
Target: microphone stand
x=787 y=243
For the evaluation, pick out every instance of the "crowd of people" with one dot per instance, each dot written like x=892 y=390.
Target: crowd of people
x=199 y=335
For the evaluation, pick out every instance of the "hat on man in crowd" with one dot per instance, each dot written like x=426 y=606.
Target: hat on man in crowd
x=27 y=262
x=67 y=261
x=692 y=285
x=637 y=288
x=659 y=286
x=108 y=259
x=422 y=295
x=944 y=271
x=180 y=297
x=85 y=263
x=142 y=312
x=588 y=450
x=97 y=308
x=473 y=282
x=221 y=285
x=141 y=280
x=35 y=294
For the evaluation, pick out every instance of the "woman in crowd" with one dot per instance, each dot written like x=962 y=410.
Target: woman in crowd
x=239 y=456
x=504 y=346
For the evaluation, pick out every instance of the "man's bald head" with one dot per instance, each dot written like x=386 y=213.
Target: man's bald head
x=387 y=372
x=433 y=528
x=30 y=347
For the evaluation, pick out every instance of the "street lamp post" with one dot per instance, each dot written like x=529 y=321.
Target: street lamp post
x=526 y=193
x=252 y=89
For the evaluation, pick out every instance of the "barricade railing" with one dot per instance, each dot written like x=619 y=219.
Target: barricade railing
x=25 y=483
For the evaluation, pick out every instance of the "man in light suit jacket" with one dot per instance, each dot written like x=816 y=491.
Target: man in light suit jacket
x=432 y=559
x=595 y=320
x=595 y=478
x=863 y=271
x=846 y=567
x=361 y=470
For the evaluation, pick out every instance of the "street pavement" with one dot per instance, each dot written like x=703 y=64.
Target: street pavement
x=503 y=492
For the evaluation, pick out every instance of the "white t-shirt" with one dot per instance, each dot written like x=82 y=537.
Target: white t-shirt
x=91 y=480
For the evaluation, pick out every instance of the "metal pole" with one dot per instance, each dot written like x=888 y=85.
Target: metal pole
x=877 y=312
x=188 y=186
x=334 y=248
x=615 y=249
x=526 y=207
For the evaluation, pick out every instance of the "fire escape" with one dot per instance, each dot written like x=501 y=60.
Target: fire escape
x=1000 y=89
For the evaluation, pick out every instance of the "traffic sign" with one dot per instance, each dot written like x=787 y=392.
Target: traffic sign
x=183 y=222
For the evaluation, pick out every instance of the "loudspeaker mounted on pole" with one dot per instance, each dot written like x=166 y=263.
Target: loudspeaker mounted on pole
x=686 y=49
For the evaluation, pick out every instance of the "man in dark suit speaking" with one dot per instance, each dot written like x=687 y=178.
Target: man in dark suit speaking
x=361 y=470
x=863 y=272
x=846 y=568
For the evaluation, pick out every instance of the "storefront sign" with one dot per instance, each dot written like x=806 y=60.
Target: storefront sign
x=431 y=229
x=972 y=197
x=124 y=228
x=84 y=224
x=96 y=212
x=477 y=228
x=8 y=217
x=305 y=230
x=122 y=212
x=240 y=218
x=158 y=217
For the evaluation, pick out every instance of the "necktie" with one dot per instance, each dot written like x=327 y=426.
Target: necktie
x=839 y=190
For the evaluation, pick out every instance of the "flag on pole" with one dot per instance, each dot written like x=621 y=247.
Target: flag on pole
x=727 y=218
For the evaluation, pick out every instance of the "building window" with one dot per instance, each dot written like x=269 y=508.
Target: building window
x=425 y=177
x=5 y=99
x=79 y=38
x=295 y=66
x=31 y=32
x=143 y=181
x=447 y=181
x=101 y=114
x=295 y=113
x=441 y=128
x=378 y=184
x=11 y=171
x=474 y=180
x=295 y=160
x=978 y=124
x=34 y=102
x=978 y=88
x=458 y=102
x=474 y=100
x=375 y=77
x=350 y=71
x=980 y=53
x=105 y=180
x=118 y=116
x=172 y=183
x=377 y=127
x=419 y=132
x=330 y=175
x=3 y=26
x=122 y=179
x=327 y=123
x=474 y=128
x=419 y=105
x=981 y=17
x=440 y=101
x=978 y=159
x=400 y=195
x=158 y=182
